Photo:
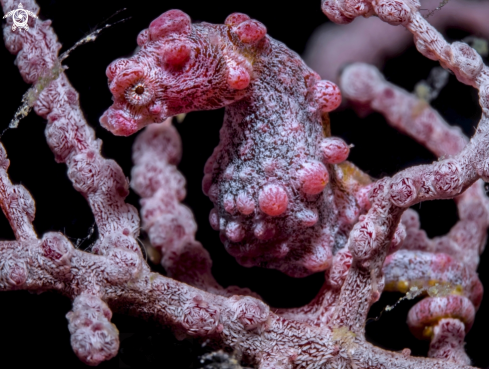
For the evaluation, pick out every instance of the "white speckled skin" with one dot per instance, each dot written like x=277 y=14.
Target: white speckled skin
x=279 y=201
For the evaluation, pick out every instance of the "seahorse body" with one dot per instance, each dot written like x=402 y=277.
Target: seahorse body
x=280 y=199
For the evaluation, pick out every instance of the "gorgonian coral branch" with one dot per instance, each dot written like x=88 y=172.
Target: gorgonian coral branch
x=363 y=84
x=373 y=41
x=16 y=202
x=170 y=225
x=446 y=178
x=209 y=66
x=117 y=118
x=445 y=265
x=101 y=181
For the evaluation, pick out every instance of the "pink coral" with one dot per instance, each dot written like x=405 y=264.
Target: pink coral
x=373 y=41
x=284 y=197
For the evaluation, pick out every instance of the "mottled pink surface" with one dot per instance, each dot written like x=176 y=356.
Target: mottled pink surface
x=279 y=202
x=281 y=189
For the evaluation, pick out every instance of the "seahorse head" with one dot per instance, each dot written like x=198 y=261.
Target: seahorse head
x=179 y=68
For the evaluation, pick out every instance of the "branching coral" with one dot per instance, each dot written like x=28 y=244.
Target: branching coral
x=285 y=197
x=374 y=41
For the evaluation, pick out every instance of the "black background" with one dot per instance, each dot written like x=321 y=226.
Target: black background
x=33 y=328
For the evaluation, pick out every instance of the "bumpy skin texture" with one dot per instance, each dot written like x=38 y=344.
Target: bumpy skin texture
x=279 y=200
x=329 y=332
x=170 y=225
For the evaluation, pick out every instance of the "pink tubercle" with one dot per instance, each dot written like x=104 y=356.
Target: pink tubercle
x=245 y=203
x=235 y=231
x=328 y=96
x=235 y=19
x=313 y=177
x=238 y=77
x=250 y=31
x=308 y=217
x=176 y=53
x=213 y=192
x=319 y=260
x=172 y=21
x=273 y=200
x=206 y=184
x=229 y=203
x=334 y=150
x=264 y=230
x=214 y=219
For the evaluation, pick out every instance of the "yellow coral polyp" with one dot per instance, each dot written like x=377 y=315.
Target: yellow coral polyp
x=403 y=286
x=428 y=332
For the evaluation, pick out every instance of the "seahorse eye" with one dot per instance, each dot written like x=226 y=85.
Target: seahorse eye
x=139 y=94
x=139 y=90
